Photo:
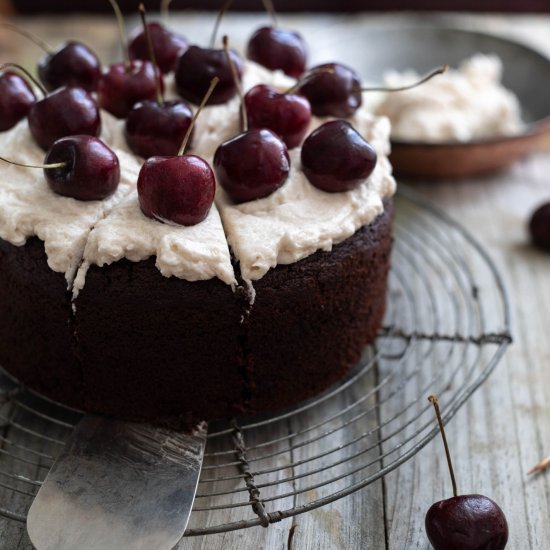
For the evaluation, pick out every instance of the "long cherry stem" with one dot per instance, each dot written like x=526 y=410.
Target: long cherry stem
x=165 y=9
x=122 y=33
x=236 y=81
x=425 y=78
x=213 y=84
x=158 y=91
x=306 y=78
x=270 y=9
x=7 y=66
x=435 y=402
x=226 y=5
x=44 y=166
x=29 y=35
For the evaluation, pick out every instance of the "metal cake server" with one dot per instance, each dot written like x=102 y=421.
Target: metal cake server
x=118 y=485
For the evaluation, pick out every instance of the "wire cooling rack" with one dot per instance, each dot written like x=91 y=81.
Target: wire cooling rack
x=446 y=328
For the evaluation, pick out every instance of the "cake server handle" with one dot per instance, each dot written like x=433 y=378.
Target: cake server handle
x=118 y=485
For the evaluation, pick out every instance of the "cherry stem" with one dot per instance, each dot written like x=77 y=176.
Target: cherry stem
x=158 y=91
x=435 y=402
x=165 y=9
x=213 y=84
x=122 y=33
x=226 y=5
x=7 y=66
x=29 y=35
x=44 y=166
x=236 y=81
x=306 y=78
x=270 y=9
x=425 y=78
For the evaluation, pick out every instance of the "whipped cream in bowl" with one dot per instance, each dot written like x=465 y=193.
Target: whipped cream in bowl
x=486 y=113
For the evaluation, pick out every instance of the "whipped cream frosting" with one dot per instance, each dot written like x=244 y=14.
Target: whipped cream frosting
x=193 y=253
x=461 y=105
x=29 y=208
x=298 y=219
x=289 y=225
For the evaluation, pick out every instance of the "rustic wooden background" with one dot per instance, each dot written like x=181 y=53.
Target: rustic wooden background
x=504 y=430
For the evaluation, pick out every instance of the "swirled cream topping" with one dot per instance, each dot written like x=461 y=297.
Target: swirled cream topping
x=289 y=225
x=461 y=105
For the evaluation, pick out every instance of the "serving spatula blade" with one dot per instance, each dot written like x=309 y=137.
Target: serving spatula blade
x=118 y=485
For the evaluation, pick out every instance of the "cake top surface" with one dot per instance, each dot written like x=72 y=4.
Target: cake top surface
x=292 y=223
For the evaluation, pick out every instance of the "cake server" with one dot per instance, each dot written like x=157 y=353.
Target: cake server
x=118 y=485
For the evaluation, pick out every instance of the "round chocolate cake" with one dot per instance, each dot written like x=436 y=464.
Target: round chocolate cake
x=262 y=298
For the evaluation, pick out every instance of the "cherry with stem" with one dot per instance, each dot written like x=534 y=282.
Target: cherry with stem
x=156 y=127
x=466 y=521
x=178 y=189
x=253 y=164
x=122 y=85
x=81 y=167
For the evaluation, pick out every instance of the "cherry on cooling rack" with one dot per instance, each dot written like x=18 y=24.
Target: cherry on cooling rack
x=287 y=114
x=335 y=157
x=464 y=522
x=156 y=127
x=178 y=189
x=80 y=167
x=16 y=99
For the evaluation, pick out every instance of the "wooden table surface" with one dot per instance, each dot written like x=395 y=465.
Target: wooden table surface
x=505 y=428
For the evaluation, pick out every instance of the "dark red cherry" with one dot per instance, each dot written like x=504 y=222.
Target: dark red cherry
x=167 y=46
x=335 y=157
x=120 y=88
x=154 y=129
x=252 y=165
x=195 y=69
x=276 y=48
x=539 y=227
x=65 y=112
x=16 y=100
x=92 y=170
x=333 y=90
x=288 y=115
x=467 y=522
x=72 y=64
x=177 y=190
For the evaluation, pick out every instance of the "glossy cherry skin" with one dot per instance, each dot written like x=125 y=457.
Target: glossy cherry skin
x=539 y=227
x=178 y=190
x=197 y=67
x=252 y=165
x=154 y=129
x=278 y=49
x=120 y=89
x=16 y=100
x=166 y=45
x=467 y=522
x=72 y=64
x=288 y=115
x=92 y=171
x=336 y=93
x=65 y=112
x=335 y=157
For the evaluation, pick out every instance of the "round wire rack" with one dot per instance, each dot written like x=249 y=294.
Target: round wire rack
x=446 y=328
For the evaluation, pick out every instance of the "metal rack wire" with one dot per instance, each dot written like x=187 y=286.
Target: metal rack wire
x=446 y=328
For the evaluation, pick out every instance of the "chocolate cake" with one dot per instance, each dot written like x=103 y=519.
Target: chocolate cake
x=139 y=345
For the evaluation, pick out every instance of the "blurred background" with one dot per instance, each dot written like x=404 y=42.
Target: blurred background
x=50 y=6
